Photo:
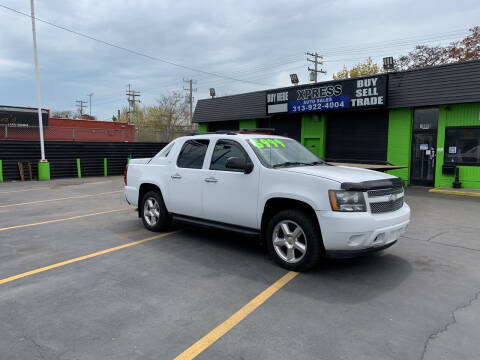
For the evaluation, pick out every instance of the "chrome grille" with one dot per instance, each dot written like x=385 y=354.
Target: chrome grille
x=384 y=192
x=386 y=206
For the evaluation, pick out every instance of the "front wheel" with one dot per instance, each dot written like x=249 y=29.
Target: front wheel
x=154 y=213
x=294 y=240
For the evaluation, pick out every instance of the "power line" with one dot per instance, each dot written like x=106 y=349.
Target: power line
x=397 y=46
x=399 y=41
x=396 y=42
x=135 y=52
x=247 y=72
x=110 y=101
x=331 y=51
x=335 y=51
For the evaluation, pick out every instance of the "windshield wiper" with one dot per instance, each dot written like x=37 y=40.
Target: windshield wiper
x=290 y=163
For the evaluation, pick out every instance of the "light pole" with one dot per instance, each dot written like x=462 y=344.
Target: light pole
x=43 y=165
x=90 y=103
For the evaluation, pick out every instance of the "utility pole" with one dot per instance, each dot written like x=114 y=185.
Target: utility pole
x=80 y=105
x=132 y=95
x=190 y=90
x=90 y=103
x=316 y=62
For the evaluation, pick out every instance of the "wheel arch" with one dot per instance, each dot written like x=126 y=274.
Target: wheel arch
x=278 y=203
x=144 y=188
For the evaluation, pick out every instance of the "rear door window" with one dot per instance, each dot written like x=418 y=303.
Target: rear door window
x=192 y=154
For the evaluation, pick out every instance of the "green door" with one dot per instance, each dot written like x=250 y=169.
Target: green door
x=313 y=144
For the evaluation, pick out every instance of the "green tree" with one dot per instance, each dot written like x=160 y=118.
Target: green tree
x=361 y=69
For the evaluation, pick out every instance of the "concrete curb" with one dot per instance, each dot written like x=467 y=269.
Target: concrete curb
x=455 y=192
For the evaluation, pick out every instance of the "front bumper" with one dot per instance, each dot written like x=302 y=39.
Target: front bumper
x=346 y=254
x=353 y=234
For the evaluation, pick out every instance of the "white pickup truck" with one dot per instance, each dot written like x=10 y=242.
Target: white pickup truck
x=269 y=186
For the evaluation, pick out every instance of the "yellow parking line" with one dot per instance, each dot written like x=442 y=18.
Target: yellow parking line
x=62 y=219
x=59 y=199
x=31 y=189
x=49 y=188
x=80 y=258
x=206 y=341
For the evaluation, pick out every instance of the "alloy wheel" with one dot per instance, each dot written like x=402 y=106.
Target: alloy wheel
x=289 y=241
x=151 y=211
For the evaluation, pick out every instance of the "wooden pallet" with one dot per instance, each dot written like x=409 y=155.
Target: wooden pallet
x=25 y=167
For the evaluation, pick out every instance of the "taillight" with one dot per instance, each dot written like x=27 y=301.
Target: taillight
x=125 y=175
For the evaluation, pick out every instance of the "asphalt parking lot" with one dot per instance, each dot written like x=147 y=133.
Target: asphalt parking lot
x=80 y=278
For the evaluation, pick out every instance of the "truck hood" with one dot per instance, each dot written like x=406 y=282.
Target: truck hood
x=339 y=173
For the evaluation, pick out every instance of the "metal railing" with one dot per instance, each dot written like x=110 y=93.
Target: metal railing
x=127 y=134
x=161 y=134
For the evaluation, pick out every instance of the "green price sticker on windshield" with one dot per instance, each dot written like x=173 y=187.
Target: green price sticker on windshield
x=269 y=143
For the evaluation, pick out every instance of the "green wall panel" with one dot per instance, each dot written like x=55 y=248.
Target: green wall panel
x=248 y=124
x=202 y=127
x=314 y=133
x=457 y=115
x=400 y=141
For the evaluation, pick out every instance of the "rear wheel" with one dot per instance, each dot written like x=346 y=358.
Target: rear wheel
x=294 y=240
x=154 y=213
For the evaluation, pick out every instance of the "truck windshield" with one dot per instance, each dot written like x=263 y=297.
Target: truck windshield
x=283 y=152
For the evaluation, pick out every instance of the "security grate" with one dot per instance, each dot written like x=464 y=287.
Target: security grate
x=386 y=206
x=383 y=192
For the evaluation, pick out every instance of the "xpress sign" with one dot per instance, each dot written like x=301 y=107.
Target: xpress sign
x=355 y=93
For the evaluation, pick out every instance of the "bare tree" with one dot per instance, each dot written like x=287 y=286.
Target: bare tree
x=65 y=114
x=457 y=51
x=422 y=56
x=466 y=49
x=174 y=109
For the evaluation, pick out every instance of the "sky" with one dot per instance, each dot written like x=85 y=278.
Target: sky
x=255 y=44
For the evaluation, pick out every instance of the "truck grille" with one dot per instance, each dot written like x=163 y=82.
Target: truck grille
x=384 y=192
x=386 y=206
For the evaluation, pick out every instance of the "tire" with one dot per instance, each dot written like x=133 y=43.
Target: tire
x=154 y=214
x=294 y=240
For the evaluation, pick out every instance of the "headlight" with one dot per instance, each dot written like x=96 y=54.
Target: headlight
x=348 y=201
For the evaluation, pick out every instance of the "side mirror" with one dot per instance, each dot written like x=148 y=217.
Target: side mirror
x=240 y=164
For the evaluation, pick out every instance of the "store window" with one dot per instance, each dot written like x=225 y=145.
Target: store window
x=425 y=119
x=462 y=145
x=192 y=154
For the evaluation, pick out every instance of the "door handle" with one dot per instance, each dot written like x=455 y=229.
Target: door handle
x=211 y=180
x=176 y=176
